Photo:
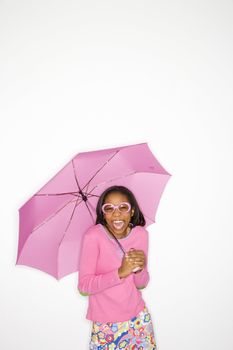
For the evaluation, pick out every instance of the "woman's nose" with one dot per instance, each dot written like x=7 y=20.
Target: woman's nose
x=116 y=212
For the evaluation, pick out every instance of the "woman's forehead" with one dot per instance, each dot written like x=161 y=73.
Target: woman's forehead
x=116 y=197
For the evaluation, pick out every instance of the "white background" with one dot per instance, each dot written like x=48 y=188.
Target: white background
x=86 y=75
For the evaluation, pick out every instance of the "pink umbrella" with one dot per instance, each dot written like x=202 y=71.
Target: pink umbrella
x=53 y=221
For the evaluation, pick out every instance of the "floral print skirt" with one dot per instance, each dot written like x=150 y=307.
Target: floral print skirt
x=135 y=334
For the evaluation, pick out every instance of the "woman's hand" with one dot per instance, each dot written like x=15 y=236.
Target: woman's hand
x=132 y=259
x=137 y=257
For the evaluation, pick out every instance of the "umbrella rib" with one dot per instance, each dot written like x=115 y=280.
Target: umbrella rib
x=51 y=216
x=116 y=178
x=91 y=206
x=149 y=218
x=87 y=187
x=120 y=177
x=100 y=169
x=90 y=212
x=72 y=214
x=55 y=194
x=75 y=175
x=92 y=195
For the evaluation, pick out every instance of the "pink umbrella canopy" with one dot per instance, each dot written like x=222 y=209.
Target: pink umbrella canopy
x=53 y=221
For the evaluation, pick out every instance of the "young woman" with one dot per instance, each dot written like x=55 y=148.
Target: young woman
x=112 y=270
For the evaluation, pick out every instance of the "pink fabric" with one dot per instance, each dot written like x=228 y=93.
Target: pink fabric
x=111 y=298
x=53 y=221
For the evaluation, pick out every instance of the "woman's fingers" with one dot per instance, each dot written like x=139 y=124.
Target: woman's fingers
x=136 y=257
x=135 y=253
x=136 y=261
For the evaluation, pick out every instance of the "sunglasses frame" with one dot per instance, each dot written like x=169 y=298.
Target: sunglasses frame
x=116 y=206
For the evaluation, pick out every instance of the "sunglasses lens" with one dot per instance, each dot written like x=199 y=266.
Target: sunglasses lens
x=108 y=209
x=124 y=207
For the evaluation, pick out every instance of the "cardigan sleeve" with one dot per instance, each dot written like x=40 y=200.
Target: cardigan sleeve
x=141 y=278
x=88 y=281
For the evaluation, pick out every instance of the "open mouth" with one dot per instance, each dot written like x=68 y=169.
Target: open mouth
x=118 y=224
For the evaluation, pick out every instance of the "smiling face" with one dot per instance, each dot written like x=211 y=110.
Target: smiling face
x=118 y=228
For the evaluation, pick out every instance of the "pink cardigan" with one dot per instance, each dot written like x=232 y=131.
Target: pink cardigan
x=111 y=298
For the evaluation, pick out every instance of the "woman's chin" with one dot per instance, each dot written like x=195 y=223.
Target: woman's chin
x=118 y=230
x=121 y=233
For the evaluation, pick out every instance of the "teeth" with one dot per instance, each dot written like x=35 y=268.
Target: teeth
x=118 y=224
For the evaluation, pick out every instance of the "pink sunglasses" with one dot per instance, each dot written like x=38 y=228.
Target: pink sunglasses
x=123 y=207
